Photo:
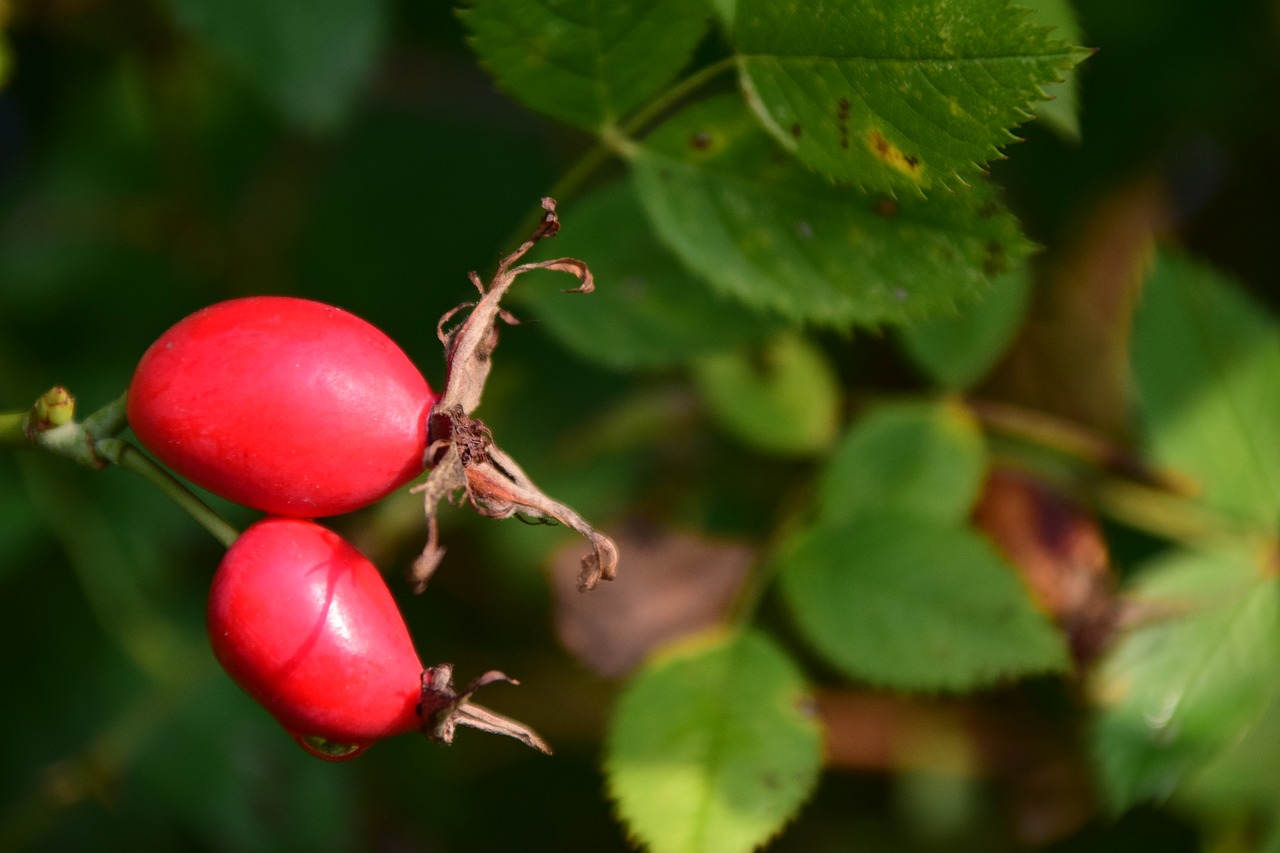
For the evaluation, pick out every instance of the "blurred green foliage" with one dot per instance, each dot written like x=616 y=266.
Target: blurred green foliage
x=160 y=155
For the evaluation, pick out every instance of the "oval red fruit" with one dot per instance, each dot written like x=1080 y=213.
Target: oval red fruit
x=286 y=405
x=306 y=625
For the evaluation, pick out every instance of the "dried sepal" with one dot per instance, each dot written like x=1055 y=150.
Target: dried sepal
x=443 y=710
x=461 y=453
x=469 y=345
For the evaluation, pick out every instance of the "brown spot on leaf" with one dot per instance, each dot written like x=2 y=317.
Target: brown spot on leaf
x=885 y=207
x=796 y=130
x=892 y=155
x=988 y=209
x=701 y=141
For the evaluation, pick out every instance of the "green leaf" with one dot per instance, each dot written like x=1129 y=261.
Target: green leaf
x=1241 y=775
x=895 y=94
x=1190 y=683
x=783 y=399
x=647 y=310
x=725 y=11
x=760 y=227
x=584 y=62
x=713 y=746
x=310 y=58
x=957 y=349
x=915 y=604
x=1206 y=359
x=1061 y=107
x=918 y=459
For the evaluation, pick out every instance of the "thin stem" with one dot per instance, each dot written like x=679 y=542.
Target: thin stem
x=93 y=443
x=129 y=458
x=1053 y=433
x=617 y=139
x=109 y=421
x=13 y=429
x=675 y=95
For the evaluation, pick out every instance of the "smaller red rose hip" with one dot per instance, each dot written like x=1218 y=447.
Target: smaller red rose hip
x=282 y=404
x=306 y=625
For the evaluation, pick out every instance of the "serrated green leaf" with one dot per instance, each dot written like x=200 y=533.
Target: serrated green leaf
x=308 y=57
x=895 y=94
x=1061 y=107
x=919 y=459
x=713 y=747
x=958 y=349
x=1190 y=683
x=915 y=604
x=760 y=227
x=1206 y=359
x=584 y=62
x=784 y=398
x=647 y=310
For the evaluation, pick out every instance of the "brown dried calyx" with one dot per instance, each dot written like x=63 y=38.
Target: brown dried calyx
x=460 y=451
x=443 y=710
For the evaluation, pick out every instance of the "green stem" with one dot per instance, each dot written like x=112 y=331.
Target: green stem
x=617 y=139
x=13 y=429
x=129 y=458
x=673 y=96
x=109 y=421
x=93 y=443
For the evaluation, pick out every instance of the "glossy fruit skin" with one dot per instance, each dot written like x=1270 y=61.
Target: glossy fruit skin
x=286 y=405
x=305 y=624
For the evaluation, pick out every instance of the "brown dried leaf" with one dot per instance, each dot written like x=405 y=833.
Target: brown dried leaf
x=1060 y=551
x=676 y=584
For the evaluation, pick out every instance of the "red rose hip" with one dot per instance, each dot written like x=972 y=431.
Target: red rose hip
x=286 y=405
x=306 y=625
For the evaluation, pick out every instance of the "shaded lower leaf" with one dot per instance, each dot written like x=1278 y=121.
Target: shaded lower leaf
x=647 y=310
x=915 y=603
x=741 y=212
x=784 y=398
x=917 y=458
x=957 y=349
x=713 y=746
x=1188 y=685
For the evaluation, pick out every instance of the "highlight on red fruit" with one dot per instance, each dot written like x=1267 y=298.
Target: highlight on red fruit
x=286 y=405
x=305 y=624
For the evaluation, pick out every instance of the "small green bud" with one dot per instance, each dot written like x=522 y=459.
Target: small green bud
x=54 y=408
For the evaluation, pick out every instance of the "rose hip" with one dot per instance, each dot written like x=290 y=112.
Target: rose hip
x=286 y=405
